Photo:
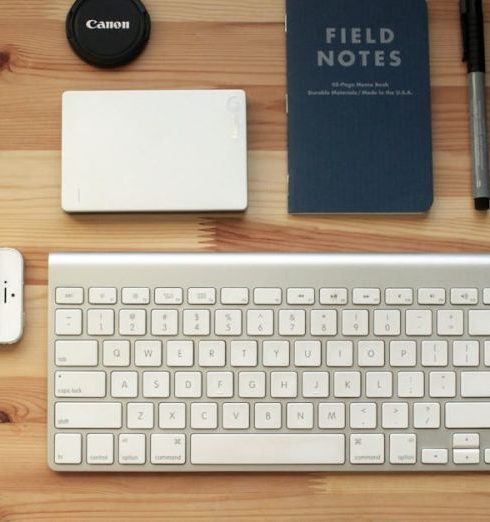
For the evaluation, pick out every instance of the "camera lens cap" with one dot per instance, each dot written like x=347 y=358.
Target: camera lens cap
x=108 y=33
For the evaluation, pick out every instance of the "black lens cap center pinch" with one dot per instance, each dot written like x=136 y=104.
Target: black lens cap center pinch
x=108 y=33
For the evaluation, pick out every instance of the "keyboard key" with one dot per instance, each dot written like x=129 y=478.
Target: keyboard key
x=371 y=353
x=171 y=415
x=366 y=296
x=450 y=322
x=124 y=384
x=116 y=353
x=410 y=385
x=76 y=353
x=148 y=353
x=260 y=322
x=275 y=353
x=140 y=416
x=234 y=296
x=466 y=440
x=403 y=448
x=399 y=296
x=268 y=449
x=355 y=323
x=466 y=456
x=292 y=322
x=403 y=353
x=479 y=322
x=331 y=415
x=156 y=385
x=100 y=322
x=300 y=416
x=268 y=416
x=442 y=384
x=88 y=415
x=243 y=353
x=284 y=384
x=236 y=415
x=367 y=448
x=434 y=353
x=212 y=354
x=167 y=449
x=188 y=385
x=426 y=415
x=431 y=296
x=475 y=384
x=102 y=296
x=197 y=322
x=379 y=384
x=164 y=323
x=251 y=384
x=68 y=448
x=464 y=296
x=301 y=296
x=132 y=449
x=204 y=415
x=333 y=296
x=323 y=322
x=68 y=322
x=486 y=296
x=394 y=415
x=363 y=415
x=347 y=384
x=219 y=384
x=315 y=384
x=201 y=296
x=267 y=296
x=169 y=296
x=340 y=354
x=80 y=384
x=434 y=456
x=228 y=322
x=136 y=296
x=132 y=322
x=387 y=323
x=418 y=322
x=307 y=353
x=466 y=353
x=468 y=415
x=100 y=448
x=69 y=296
x=180 y=353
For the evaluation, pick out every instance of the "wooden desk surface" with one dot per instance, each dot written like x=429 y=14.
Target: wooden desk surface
x=202 y=44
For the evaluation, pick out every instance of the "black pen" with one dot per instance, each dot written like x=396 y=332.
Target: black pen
x=474 y=55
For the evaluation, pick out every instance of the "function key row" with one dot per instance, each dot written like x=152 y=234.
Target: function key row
x=272 y=296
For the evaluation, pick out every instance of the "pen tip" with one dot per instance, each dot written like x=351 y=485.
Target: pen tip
x=482 y=203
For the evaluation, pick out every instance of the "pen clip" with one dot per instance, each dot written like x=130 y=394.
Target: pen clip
x=463 y=6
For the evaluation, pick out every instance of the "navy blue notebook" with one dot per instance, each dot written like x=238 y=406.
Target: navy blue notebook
x=359 y=110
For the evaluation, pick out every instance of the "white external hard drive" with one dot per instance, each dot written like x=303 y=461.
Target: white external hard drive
x=154 y=151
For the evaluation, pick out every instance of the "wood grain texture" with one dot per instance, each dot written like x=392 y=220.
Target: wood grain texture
x=195 y=44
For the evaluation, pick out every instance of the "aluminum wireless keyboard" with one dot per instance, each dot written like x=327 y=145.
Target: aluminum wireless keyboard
x=273 y=362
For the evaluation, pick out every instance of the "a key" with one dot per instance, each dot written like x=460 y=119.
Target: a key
x=132 y=449
x=442 y=384
x=434 y=456
x=431 y=296
x=367 y=448
x=167 y=449
x=466 y=440
x=268 y=449
x=275 y=353
x=212 y=353
x=124 y=384
x=403 y=353
x=418 y=322
x=399 y=296
x=68 y=448
x=410 y=384
x=466 y=456
x=135 y=296
x=251 y=384
x=315 y=384
x=68 y=322
x=379 y=384
x=450 y=322
x=88 y=415
x=479 y=322
x=462 y=415
x=80 y=384
x=475 y=384
x=347 y=384
x=76 y=353
x=434 y=353
x=464 y=296
x=219 y=384
x=371 y=353
x=387 y=323
x=466 y=353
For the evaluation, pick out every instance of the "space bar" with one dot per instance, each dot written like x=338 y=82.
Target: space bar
x=268 y=449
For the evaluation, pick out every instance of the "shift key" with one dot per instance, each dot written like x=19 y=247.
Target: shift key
x=86 y=415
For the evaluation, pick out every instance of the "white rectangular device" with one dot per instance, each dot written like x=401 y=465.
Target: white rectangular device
x=152 y=151
x=11 y=295
x=269 y=362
